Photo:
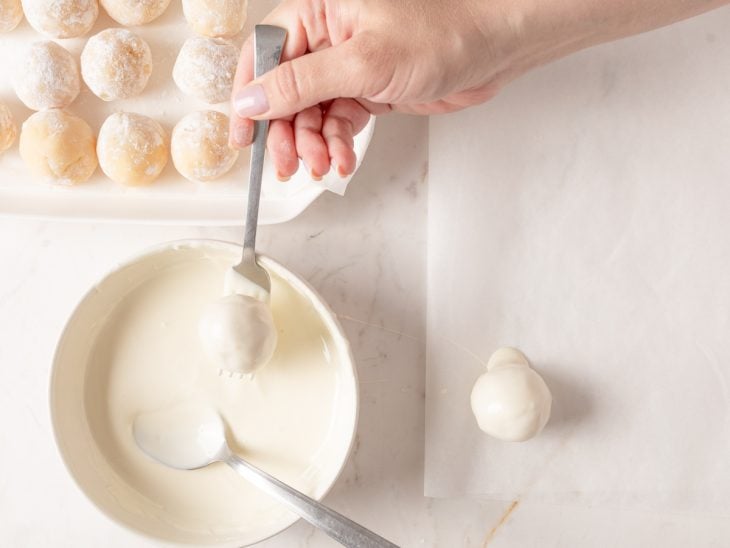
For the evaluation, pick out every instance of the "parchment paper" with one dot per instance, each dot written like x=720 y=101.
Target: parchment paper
x=583 y=216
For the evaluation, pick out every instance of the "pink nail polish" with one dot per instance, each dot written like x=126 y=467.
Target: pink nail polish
x=251 y=101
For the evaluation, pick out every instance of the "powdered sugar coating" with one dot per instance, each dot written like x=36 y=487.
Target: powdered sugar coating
x=135 y=12
x=205 y=68
x=200 y=148
x=132 y=148
x=58 y=147
x=215 y=18
x=61 y=18
x=8 y=129
x=116 y=64
x=11 y=14
x=47 y=76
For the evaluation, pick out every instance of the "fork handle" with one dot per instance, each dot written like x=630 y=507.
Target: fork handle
x=343 y=530
x=268 y=44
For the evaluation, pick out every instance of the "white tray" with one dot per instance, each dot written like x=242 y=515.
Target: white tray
x=171 y=199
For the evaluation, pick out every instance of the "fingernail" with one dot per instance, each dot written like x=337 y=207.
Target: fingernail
x=341 y=172
x=282 y=178
x=251 y=101
x=241 y=137
x=312 y=174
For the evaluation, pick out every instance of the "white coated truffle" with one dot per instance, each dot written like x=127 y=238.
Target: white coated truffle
x=116 y=64
x=200 y=148
x=131 y=13
x=58 y=147
x=8 y=128
x=238 y=334
x=11 y=14
x=205 y=68
x=510 y=402
x=215 y=18
x=132 y=148
x=61 y=18
x=47 y=76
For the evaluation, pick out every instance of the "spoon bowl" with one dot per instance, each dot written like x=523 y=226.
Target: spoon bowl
x=189 y=436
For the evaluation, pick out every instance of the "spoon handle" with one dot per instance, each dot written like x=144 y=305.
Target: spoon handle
x=268 y=44
x=343 y=530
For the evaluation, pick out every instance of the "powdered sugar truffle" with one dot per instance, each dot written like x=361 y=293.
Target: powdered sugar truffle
x=200 y=148
x=47 y=76
x=61 y=18
x=58 y=147
x=215 y=18
x=8 y=129
x=135 y=12
x=132 y=148
x=11 y=13
x=116 y=64
x=205 y=68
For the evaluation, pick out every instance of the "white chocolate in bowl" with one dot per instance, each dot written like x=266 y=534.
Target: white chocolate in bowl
x=132 y=347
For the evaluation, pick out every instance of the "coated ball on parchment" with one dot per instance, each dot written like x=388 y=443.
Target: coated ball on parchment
x=511 y=401
x=11 y=13
x=132 y=148
x=8 y=129
x=215 y=18
x=58 y=147
x=61 y=18
x=205 y=68
x=116 y=64
x=47 y=76
x=131 y=13
x=200 y=148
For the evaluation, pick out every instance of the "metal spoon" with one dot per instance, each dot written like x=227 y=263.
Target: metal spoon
x=191 y=436
x=268 y=44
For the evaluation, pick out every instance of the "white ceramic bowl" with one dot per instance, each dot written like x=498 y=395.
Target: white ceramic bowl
x=95 y=470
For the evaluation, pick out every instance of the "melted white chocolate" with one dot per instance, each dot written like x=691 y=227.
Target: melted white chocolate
x=294 y=420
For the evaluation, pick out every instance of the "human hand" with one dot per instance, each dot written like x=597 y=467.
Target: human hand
x=347 y=59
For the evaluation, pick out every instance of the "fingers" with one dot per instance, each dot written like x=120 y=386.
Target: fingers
x=344 y=119
x=240 y=132
x=299 y=40
x=310 y=145
x=297 y=88
x=303 y=82
x=244 y=70
x=241 y=128
x=321 y=140
x=282 y=150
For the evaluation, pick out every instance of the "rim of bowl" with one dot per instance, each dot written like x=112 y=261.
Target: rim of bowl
x=323 y=309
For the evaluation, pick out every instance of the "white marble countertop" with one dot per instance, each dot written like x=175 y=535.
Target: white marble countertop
x=366 y=254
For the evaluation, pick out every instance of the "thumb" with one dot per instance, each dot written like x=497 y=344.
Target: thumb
x=303 y=82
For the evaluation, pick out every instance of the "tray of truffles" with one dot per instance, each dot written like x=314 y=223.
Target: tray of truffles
x=118 y=110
